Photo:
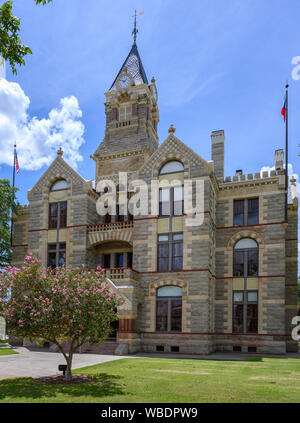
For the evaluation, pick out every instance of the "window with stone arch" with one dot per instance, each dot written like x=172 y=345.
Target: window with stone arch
x=57 y=220
x=245 y=299
x=169 y=308
x=59 y=185
x=245 y=258
x=171 y=199
x=172 y=166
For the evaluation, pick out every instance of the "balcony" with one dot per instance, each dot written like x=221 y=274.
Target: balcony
x=121 y=274
x=113 y=231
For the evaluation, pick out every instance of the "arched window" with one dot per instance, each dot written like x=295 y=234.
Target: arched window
x=59 y=185
x=245 y=299
x=245 y=258
x=171 y=167
x=169 y=308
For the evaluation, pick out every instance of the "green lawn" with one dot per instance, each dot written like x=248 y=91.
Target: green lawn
x=170 y=380
x=7 y=351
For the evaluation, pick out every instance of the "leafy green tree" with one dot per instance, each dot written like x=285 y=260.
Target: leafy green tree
x=67 y=307
x=7 y=203
x=11 y=47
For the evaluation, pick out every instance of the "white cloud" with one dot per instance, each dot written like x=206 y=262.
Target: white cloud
x=290 y=173
x=38 y=139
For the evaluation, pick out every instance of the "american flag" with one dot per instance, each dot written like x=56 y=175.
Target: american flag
x=17 y=163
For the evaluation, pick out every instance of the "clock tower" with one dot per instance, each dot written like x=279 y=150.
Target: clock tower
x=131 y=120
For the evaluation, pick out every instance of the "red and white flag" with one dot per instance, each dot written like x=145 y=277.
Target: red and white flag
x=17 y=163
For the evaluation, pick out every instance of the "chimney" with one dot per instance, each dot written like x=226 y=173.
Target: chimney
x=217 y=153
x=278 y=158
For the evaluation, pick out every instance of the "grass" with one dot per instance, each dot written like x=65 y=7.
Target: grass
x=7 y=351
x=170 y=380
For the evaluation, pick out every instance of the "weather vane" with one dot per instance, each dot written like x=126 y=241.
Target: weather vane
x=135 y=31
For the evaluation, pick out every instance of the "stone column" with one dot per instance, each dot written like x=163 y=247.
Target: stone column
x=113 y=260
x=125 y=259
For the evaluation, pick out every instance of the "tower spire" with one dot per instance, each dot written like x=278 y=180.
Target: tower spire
x=135 y=30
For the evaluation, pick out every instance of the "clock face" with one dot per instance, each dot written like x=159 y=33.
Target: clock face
x=124 y=81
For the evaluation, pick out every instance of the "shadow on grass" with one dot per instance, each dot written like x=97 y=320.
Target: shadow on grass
x=104 y=385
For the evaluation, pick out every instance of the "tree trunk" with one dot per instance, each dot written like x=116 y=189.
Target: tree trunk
x=69 y=368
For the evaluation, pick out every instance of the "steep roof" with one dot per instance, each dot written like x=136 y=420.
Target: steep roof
x=134 y=67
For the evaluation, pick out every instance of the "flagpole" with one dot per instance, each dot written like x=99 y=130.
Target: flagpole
x=286 y=155
x=14 y=178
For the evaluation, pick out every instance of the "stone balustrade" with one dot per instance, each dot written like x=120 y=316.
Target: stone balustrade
x=120 y=273
x=114 y=231
x=112 y=226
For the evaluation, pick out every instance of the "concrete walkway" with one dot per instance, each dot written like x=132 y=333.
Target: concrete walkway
x=43 y=363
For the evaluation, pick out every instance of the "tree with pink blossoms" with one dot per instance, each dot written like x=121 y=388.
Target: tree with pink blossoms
x=61 y=306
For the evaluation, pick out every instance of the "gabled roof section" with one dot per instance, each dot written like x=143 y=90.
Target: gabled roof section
x=174 y=149
x=59 y=168
x=134 y=67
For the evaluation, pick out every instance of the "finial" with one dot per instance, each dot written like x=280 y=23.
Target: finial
x=172 y=129
x=124 y=69
x=293 y=180
x=135 y=31
x=60 y=152
x=153 y=80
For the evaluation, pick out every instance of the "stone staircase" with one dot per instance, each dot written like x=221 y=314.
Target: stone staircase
x=107 y=347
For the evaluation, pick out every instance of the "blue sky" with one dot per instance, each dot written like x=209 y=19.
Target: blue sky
x=217 y=65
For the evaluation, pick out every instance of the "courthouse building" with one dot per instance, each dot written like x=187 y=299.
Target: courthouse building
x=229 y=284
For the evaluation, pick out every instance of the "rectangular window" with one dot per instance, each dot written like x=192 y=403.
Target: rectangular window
x=238 y=213
x=170 y=252
x=162 y=315
x=245 y=212
x=238 y=318
x=176 y=312
x=178 y=201
x=238 y=263
x=252 y=312
x=163 y=257
x=171 y=201
x=52 y=260
x=245 y=312
x=63 y=214
x=164 y=202
x=53 y=215
x=125 y=112
x=177 y=255
x=245 y=263
x=252 y=211
x=58 y=215
x=252 y=263
x=57 y=254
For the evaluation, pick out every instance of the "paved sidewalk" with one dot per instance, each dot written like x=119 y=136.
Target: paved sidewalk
x=43 y=363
